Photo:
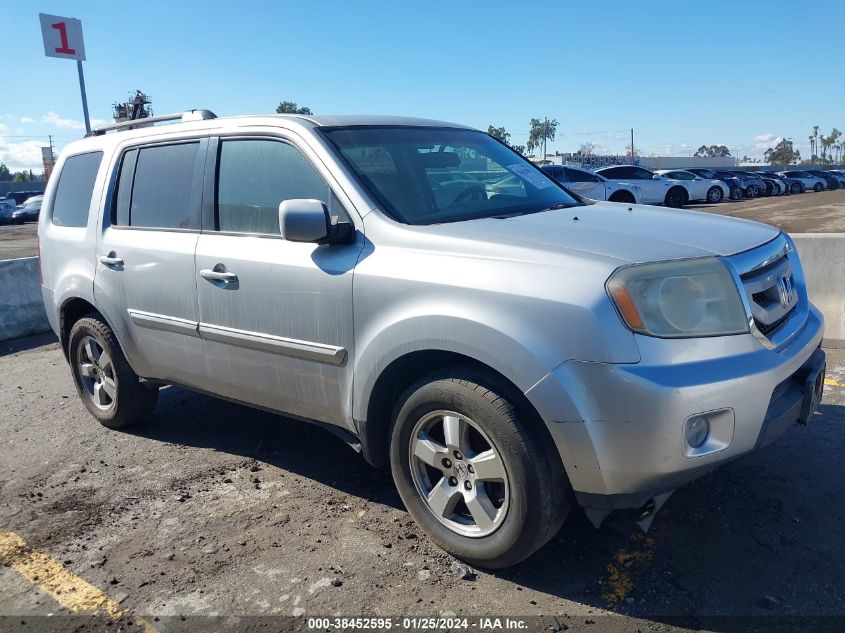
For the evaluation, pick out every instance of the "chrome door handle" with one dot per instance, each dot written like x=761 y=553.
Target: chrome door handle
x=111 y=260
x=215 y=275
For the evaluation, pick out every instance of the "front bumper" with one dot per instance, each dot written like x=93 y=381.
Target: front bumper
x=620 y=428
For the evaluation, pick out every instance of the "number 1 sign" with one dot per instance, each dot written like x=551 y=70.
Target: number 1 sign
x=62 y=37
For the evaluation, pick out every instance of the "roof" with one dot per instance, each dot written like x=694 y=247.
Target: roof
x=294 y=122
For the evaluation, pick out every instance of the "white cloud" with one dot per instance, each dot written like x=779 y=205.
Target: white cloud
x=54 y=119
x=769 y=143
x=764 y=138
x=27 y=119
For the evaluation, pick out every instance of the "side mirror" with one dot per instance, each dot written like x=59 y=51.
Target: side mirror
x=303 y=220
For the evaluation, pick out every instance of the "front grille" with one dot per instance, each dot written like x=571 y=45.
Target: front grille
x=767 y=328
x=762 y=283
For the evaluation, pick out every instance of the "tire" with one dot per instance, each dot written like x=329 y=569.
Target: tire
x=715 y=194
x=623 y=195
x=795 y=188
x=676 y=197
x=519 y=511
x=751 y=192
x=120 y=399
x=736 y=193
x=818 y=187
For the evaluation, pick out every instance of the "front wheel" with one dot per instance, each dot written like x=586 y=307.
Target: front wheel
x=676 y=197
x=715 y=194
x=818 y=187
x=795 y=188
x=109 y=389
x=736 y=193
x=478 y=474
x=622 y=195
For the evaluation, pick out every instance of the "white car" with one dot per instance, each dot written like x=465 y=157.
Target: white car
x=590 y=185
x=655 y=189
x=808 y=180
x=706 y=189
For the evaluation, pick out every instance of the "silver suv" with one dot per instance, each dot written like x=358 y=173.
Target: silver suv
x=509 y=348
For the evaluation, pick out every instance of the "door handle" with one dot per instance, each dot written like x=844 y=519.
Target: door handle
x=111 y=259
x=213 y=274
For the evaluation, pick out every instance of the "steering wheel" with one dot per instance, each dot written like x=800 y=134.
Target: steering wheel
x=473 y=192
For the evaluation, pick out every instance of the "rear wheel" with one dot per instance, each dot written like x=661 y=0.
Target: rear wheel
x=736 y=193
x=478 y=473
x=622 y=196
x=109 y=389
x=795 y=188
x=751 y=192
x=676 y=197
x=818 y=187
x=715 y=194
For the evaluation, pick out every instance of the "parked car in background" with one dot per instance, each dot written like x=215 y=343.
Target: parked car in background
x=735 y=191
x=594 y=186
x=832 y=179
x=508 y=355
x=752 y=184
x=790 y=185
x=707 y=189
x=774 y=187
x=655 y=188
x=22 y=196
x=27 y=212
x=807 y=180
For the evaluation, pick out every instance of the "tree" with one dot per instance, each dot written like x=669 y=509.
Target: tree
x=5 y=174
x=713 y=151
x=782 y=153
x=291 y=107
x=519 y=148
x=814 y=143
x=21 y=176
x=541 y=131
x=587 y=149
x=499 y=133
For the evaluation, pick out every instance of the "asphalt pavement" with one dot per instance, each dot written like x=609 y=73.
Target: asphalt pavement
x=214 y=509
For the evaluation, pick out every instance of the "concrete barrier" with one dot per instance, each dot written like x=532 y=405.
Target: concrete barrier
x=822 y=254
x=21 y=307
x=823 y=258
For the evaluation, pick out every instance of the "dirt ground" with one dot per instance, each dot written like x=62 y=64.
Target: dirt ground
x=804 y=213
x=216 y=509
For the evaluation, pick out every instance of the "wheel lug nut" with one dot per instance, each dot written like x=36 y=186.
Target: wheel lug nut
x=458 y=455
x=470 y=468
x=453 y=481
x=468 y=485
x=447 y=463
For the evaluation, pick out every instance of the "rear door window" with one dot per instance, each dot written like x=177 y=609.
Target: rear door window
x=76 y=186
x=156 y=187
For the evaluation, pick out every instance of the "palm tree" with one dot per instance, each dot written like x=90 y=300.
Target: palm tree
x=815 y=144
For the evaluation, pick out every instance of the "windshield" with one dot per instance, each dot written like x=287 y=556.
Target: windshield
x=429 y=175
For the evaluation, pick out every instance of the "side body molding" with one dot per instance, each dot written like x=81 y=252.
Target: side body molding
x=308 y=350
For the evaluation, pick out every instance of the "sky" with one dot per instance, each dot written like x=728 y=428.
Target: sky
x=682 y=74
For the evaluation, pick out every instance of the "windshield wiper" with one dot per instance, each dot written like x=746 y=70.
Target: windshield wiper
x=513 y=214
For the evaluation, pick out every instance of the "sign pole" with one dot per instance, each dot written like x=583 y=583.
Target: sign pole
x=84 y=96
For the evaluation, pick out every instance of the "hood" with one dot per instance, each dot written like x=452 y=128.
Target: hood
x=630 y=233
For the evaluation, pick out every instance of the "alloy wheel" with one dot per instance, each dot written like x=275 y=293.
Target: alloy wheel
x=459 y=473
x=96 y=373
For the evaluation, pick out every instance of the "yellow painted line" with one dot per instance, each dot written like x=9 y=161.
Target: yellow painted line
x=63 y=585
x=832 y=382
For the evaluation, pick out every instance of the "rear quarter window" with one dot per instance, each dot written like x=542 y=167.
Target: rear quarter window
x=75 y=188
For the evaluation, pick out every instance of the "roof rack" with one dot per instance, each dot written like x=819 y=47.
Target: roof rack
x=189 y=115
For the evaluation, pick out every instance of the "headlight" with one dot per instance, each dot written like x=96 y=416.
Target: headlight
x=680 y=299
